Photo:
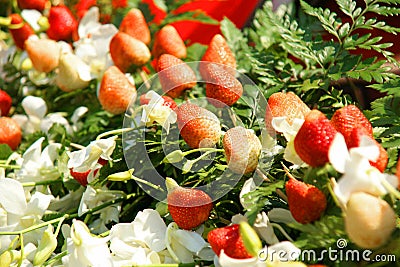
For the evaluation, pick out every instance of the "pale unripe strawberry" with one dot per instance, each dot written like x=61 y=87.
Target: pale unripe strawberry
x=198 y=126
x=369 y=220
x=127 y=51
x=44 y=53
x=116 y=91
x=242 y=149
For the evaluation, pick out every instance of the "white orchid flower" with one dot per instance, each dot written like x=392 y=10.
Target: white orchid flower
x=16 y=213
x=289 y=131
x=92 y=198
x=94 y=40
x=87 y=158
x=36 y=119
x=32 y=16
x=155 y=111
x=225 y=261
x=38 y=165
x=358 y=174
x=84 y=249
x=183 y=245
x=140 y=241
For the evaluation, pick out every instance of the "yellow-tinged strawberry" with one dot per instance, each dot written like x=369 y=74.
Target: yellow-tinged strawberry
x=198 y=126
x=219 y=52
x=222 y=87
x=127 y=51
x=175 y=75
x=369 y=220
x=44 y=53
x=168 y=41
x=189 y=207
x=135 y=25
x=10 y=132
x=242 y=149
x=116 y=91
x=287 y=105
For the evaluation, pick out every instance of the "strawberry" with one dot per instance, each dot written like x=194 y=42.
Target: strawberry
x=44 y=54
x=313 y=139
x=306 y=202
x=116 y=91
x=188 y=207
x=63 y=24
x=242 y=149
x=32 y=4
x=287 y=105
x=5 y=103
x=168 y=41
x=218 y=51
x=81 y=177
x=349 y=117
x=175 y=75
x=83 y=6
x=20 y=31
x=135 y=25
x=228 y=238
x=354 y=141
x=222 y=87
x=198 y=126
x=126 y=51
x=369 y=220
x=10 y=132
x=168 y=102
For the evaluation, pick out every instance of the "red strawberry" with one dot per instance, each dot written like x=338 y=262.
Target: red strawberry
x=228 y=239
x=188 y=207
x=168 y=102
x=242 y=149
x=32 y=4
x=44 y=54
x=5 y=103
x=10 y=132
x=116 y=91
x=63 y=24
x=119 y=3
x=349 y=117
x=126 y=51
x=168 y=41
x=83 y=6
x=175 y=75
x=81 y=177
x=222 y=87
x=135 y=25
x=306 y=202
x=218 y=51
x=314 y=138
x=198 y=126
x=287 y=105
x=20 y=31
x=354 y=141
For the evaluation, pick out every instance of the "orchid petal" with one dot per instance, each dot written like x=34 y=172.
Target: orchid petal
x=226 y=261
x=34 y=106
x=89 y=22
x=338 y=154
x=78 y=113
x=190 y=240
x=12 y=196
x=281 y=215
x=285 y=250
x=32 y=16
x=38 y=203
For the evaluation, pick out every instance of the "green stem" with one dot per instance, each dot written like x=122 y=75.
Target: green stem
x=35 y=227
x=56 y=258
x=280 y=228
x=112 y=132
x=29 y=184
x=140 y=180
x=203 y=149
x=7 y=166
x=21 y=240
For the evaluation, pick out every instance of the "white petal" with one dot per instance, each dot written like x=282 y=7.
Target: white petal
x=54 y=118
x=338 y=154
x=12 y=196
x=264 y=228
x=226 y=261
x=89 y=22
x=281 y=215
x=283 y=251
x=34 y=152
x=34 y=106
x=248 y=187
x=367 y=148
x=150 y=227
x=190 y=240
x=32 y=16
x=50 y=154
x=38 y=203
x=78 y=113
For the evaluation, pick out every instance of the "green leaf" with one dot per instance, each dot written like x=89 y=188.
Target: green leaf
x=5 y=151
